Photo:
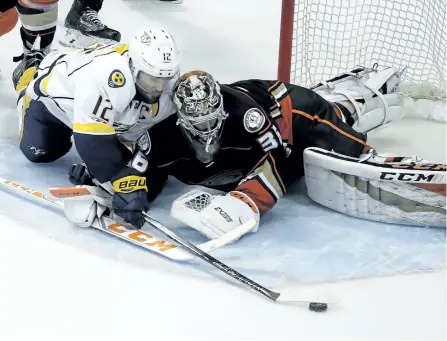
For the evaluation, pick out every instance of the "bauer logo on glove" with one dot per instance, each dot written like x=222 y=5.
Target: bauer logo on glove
x=129 y=184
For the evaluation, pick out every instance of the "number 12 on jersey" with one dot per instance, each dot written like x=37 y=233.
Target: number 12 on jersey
x=102 y=109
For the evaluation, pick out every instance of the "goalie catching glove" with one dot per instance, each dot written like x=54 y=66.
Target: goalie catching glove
x=215 y=215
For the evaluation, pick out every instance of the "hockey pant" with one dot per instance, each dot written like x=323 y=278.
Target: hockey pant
x=44 y=138
x=305 y=119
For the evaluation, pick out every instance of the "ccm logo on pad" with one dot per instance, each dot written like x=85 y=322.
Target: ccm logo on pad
x=406 y=177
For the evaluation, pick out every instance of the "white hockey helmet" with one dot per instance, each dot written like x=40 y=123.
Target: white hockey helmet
x=154 y=61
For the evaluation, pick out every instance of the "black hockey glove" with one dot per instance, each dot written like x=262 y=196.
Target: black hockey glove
x=130 y=197
x=79 y=175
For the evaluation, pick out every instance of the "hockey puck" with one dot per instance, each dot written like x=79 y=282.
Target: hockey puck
x=317 y=307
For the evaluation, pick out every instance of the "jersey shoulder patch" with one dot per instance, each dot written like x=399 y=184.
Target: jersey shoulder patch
x=254 y=120
x=116 y=79
x=144 y=143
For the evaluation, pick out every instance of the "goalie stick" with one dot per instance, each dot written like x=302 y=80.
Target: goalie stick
x=127 y=232
x=317 y=301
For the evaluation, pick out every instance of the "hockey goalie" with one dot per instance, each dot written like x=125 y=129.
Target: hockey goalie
x=252 y=139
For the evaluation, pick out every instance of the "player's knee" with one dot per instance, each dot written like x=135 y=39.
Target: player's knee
x=43 y=154
x=8 y=20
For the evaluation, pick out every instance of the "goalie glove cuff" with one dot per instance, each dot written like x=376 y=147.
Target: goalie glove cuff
x=248 y=201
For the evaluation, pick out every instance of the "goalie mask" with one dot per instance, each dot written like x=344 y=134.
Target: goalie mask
x=200 y=112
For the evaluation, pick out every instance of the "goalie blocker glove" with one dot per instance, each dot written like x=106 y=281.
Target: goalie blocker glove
x=130 y=197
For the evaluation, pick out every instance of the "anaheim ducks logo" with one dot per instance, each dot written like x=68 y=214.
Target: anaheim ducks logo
x=116 y=79
x=253 y=120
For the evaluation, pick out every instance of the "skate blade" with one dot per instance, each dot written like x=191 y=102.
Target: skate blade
x=76 y=40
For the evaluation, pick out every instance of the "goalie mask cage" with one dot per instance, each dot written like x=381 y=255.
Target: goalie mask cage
x=321 y=39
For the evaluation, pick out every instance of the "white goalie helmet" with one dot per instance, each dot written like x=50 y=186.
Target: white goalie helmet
x=155 y=62
x=200 y=112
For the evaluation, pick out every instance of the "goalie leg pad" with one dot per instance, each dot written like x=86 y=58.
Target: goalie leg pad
x=369 y=95
x=391 y=192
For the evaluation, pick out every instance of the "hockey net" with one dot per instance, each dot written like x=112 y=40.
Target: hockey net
x=321 y=39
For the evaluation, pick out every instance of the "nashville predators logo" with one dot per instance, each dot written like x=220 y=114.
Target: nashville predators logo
x=117 y=79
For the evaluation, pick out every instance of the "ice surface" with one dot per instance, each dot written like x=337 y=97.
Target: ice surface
x=298 y=242
x=55 y=292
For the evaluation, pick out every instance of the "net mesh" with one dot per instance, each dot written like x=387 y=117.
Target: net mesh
x=332 y=37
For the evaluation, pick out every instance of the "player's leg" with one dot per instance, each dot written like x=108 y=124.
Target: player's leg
x=367 y=98
x=306 y=119
x=84 y=26
x=43 y=138
x=38 y=18
x=8 y=16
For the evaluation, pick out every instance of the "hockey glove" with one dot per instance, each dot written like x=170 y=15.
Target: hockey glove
x=215 y=215
x=83 y=209
x=130 y=197
x=78 y=175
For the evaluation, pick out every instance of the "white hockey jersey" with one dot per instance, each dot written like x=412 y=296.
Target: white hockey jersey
x=92 y=92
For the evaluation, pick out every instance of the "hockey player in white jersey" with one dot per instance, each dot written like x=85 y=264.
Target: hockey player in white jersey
x=103 y=96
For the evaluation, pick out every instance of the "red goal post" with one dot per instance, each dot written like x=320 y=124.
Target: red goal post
x=286 y=40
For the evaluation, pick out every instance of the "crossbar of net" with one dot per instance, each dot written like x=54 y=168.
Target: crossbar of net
x=332 y=37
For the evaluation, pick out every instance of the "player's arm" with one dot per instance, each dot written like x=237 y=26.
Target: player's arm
x=101 y=95
x=98 y=102
x=265 y=184
x=302 y=113
x=258 y=192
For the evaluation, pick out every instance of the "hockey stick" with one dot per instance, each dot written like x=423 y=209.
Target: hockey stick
x=317 y=302
x=127 y=232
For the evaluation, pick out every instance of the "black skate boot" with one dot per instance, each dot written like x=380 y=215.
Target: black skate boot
x=84 y=28
x=26 y=71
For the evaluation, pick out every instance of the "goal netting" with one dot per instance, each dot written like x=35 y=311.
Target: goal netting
x=321 y=39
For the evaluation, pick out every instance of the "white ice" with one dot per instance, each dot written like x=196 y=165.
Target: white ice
x=59 y=281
